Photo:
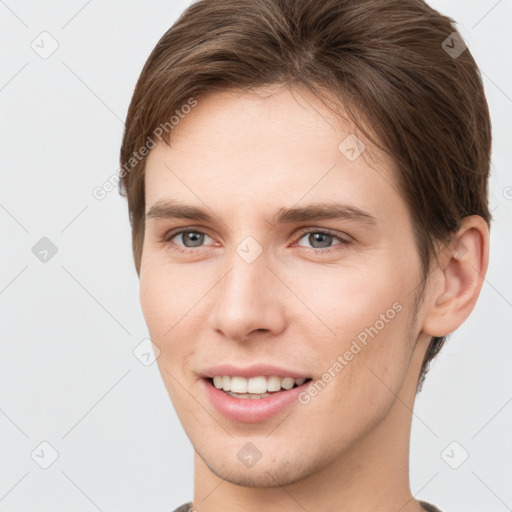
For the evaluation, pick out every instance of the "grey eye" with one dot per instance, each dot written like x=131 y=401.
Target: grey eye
x=190 y=239
x=318 y=239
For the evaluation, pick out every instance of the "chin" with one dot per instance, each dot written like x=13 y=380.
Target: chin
x=269 y=472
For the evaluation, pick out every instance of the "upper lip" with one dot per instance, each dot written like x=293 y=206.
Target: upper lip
x=254 y=370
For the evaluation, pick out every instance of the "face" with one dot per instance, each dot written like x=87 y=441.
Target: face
x=259 y=284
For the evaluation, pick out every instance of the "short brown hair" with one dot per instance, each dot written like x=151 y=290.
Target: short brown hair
x=388 y=62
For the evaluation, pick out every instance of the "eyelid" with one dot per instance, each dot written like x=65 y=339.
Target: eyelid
x=175 y=231
x=169 y=235
x=312 y=229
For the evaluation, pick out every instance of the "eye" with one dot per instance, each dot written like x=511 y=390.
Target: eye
x=321 y=241
x=190 y=238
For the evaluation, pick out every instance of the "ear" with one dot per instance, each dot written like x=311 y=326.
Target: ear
x=458 y=278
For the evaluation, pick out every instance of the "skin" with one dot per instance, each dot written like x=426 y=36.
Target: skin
x=242 y=156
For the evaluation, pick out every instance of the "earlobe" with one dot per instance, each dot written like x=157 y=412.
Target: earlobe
x=462 y=269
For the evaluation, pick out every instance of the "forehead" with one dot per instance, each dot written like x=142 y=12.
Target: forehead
x=267 y=148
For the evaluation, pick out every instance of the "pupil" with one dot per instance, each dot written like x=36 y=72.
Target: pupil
x=195 y=238
x=317 y=237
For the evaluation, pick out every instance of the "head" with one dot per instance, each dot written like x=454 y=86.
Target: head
x=284 y=105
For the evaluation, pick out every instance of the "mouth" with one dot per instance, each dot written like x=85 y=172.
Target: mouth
x=255 y=388
x=254 y=399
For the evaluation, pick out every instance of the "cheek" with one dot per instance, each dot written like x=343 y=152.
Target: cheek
x=371 y=347
x=349 y=299
x=364 y=370
x=163 y=306
x=170 y=304
x=160 y=308
x=364 y=326
x=153 y=302
x=166 y=294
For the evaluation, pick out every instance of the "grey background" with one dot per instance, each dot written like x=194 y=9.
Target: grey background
x=70 y=325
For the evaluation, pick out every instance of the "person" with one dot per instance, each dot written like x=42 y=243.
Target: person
x=307 y=191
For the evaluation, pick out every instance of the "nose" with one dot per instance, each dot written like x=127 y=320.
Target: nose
x=248 y=303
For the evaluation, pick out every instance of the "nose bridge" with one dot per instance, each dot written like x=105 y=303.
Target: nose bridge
x=246 y=301
x=247 y=278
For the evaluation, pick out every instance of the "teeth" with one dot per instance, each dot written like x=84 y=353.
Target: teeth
x=255 y=385
x=274 y=383
x=226 y=383
x=247 y=395
x=287 y=383
x=238 y=385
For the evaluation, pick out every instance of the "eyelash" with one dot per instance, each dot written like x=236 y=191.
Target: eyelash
x=172 y=234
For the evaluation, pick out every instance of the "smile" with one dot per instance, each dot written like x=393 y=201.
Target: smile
x=254 y=399
x=255 y=387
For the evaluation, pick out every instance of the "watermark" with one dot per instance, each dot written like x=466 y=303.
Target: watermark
x=249 y=455
x=44 y=250
x=352 y=147
x=45 y=45
x=100 y=192
x=455 y=455
x=507 y=193
x=249 y=249
x=146 y=352
x=454 y=45
x=44 y=455
x=315 y=387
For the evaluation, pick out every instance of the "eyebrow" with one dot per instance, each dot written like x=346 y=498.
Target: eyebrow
x=167 y=209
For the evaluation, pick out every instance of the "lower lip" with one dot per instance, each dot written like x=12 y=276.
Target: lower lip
x=252 y=410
